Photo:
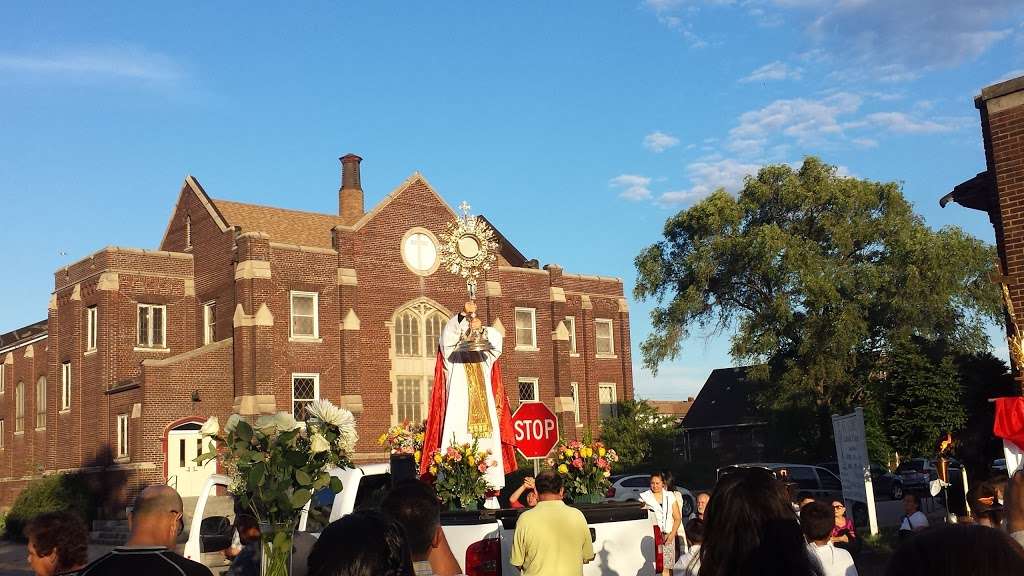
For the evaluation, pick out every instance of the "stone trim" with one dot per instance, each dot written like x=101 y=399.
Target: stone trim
x=560 y=333
x=108 y=281
x=52 y=304
x=523 y=270
x=497 y=325
x=8 y=359
x=623 y=306
x=183 y=277
x=252 y=269
x=30 y=352
x=157 y=363
x=9 y=349
x=255 y=235
x=1005 y=102
x=592 y=277
x=563 y=404
x=263 y=317
x=298 y=248
x=352 y=402
x=557 y=294
x=351 y=321
x=493 y=289
x=76 y=293
x=585 y=302
x=251 y=405
x=347 y=277
x=136 y=410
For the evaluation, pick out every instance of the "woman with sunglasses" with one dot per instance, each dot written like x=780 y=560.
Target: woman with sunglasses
x=844 y=535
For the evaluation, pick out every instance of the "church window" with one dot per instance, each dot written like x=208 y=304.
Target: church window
x=526 y=329
x=419 y=251
x=305 y=389
x=607 y=399
x=305 y=315
x=604 y=336
x=570 y=326
x=41 y=403
x=407 y=334
x=91 y=323
x=152 y=326
x=528 y=390
x=409 y=401
x=575 y=400
x=65 y=386
x=122 y=435
x=19 y=408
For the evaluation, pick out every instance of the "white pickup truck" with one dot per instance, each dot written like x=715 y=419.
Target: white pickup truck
x=622 y=532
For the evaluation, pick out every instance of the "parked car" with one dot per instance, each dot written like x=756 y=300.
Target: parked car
x=917 y=473
x=999 y=466
x=820 y=483
x=628 y=487
x=887 y=484
x=481 y=540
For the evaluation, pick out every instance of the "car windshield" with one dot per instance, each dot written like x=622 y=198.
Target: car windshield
x=911 y=466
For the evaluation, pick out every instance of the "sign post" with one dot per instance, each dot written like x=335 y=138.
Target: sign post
x=536 y=431
x=854 y=468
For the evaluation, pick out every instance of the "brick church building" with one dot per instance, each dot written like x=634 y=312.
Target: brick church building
x=253 y=309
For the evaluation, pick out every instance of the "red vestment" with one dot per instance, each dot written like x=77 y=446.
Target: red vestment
x=438 y=409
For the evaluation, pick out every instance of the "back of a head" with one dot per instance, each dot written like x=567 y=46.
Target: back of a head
x=154 y=500
x=817 y=520
x=364 y=543
x=548 y=482
x=63 y=531
x=958 y=550
x=748 y=508
x=414 y=505
x=694 y=529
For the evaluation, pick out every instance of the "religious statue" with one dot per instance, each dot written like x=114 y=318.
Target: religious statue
x=468 y=399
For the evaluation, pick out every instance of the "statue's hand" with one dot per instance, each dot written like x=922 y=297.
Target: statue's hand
x=470 y=308
x=475 y=324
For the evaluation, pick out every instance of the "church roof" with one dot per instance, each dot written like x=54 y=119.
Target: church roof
x=24 y=334
x=281 y=224
x=728 y=398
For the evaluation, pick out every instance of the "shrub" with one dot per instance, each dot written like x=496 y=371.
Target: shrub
x=59 y=492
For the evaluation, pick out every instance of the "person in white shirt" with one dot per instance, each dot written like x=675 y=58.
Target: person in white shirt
x=817 y=520
x=689 y=563
x=913 y=519
x=667 y=517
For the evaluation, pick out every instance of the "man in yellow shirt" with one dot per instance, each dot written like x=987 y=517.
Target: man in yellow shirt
x=551 y=539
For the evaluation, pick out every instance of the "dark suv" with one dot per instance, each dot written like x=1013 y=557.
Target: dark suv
x=886 y=484
x=819 y=483
x=916 y=473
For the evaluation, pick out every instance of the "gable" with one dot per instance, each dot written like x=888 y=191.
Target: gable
x=192 y=207
x=280 y=224
x=728 y=398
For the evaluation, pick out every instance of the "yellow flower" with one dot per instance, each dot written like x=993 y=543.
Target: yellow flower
x=382 y=438
x=433 y=470
x=563 y=469
x=471 y=461
x=567 y=452
x=417 y=455
x=437 y=457
x=586 y=452
x=601 y=452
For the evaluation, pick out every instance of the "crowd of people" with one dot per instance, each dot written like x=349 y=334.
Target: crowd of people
x=748 y=524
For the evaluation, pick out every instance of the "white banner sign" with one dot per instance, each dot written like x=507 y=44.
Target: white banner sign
x=851 y=453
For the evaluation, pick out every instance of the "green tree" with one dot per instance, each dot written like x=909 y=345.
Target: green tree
x=639 y=434
x=923 y=398
x=814 y=275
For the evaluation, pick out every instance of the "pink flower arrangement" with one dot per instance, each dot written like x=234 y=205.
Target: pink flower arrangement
x=404 y=438
x=459 y=471
x=585 y=467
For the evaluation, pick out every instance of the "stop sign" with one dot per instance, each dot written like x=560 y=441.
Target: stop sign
x=536 y=429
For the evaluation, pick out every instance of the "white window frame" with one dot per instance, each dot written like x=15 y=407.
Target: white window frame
x=316 y=388
x=611 y=338
x=421 y=381
x=147 y=343
x=19 y=408
x=291 y=316
x=533 y=381
x=570 y=324
x=2 y=436
x=91 y=328
x=209 y=322
x=614 y=396
x=41 y=384
x=532 y=347
x=122 y=437
x=575 y=387
x=3 y=379
x=65 y=386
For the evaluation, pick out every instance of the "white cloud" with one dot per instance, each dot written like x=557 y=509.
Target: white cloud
x=903 y=124
x=709 y=175
x=96 y=62
x=773 y=71
x=658 y=141
x=634 y=187
x=806 y=121
x=865 y=142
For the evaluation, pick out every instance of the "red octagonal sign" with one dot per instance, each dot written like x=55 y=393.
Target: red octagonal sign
x=536 y=429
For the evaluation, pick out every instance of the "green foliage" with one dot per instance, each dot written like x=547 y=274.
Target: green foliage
x=460 y=474
x=923 y=399
x=638 y=433
x=815 y=275
x=59 y=492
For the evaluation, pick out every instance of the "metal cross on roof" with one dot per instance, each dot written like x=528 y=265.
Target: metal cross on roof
x=465 y=208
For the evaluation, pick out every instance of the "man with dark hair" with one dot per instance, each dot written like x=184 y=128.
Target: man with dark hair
x=155 y=522
x=57 y=543
x=551 y=539
x=817 y=520
x=414 y=505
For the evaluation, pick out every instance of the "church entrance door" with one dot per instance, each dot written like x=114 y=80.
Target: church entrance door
x=184 y=444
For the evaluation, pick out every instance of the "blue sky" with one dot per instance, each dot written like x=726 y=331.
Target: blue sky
x=577 y=127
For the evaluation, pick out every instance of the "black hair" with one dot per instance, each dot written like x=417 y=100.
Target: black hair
x=958 y=550
x=801 y=496
x=915 y=498
x=363 y=543
x=817 y=520
x=414 y=505
x=548 y=482
x=694 y=529
x=61 y=531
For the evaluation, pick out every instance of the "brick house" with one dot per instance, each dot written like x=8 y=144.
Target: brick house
x=253 y=309
x=725 y=424
x=999 y=189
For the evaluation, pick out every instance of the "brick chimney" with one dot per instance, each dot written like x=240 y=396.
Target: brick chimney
x=350 y=196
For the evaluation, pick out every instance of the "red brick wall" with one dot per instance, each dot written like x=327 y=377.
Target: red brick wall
x=1006 y=146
